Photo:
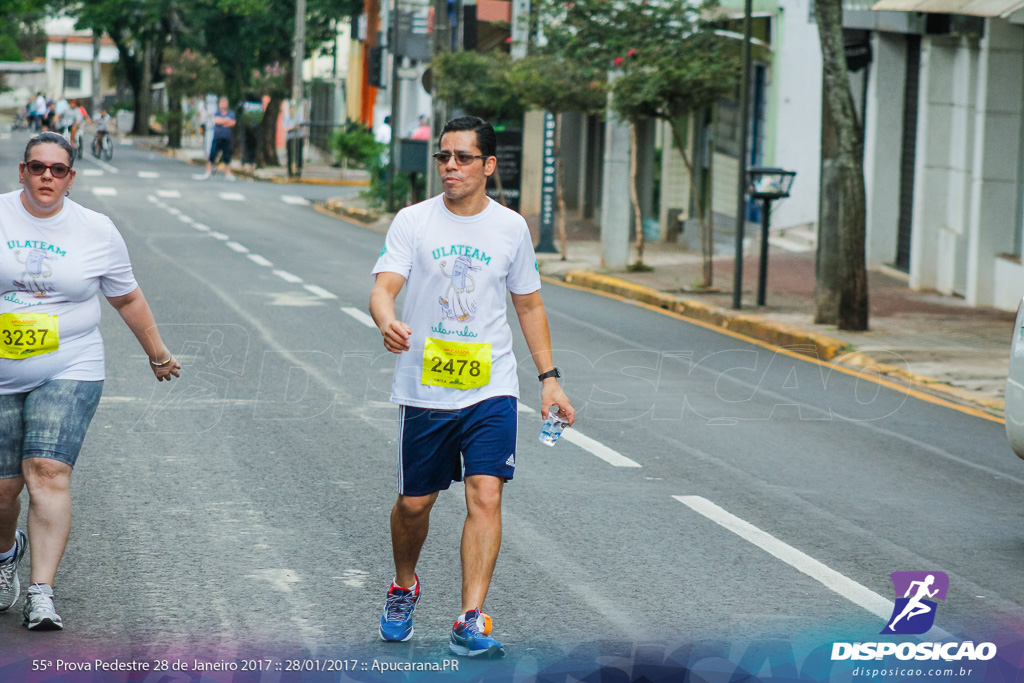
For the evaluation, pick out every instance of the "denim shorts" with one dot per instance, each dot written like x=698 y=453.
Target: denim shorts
x=437 y=447
x=48 y=422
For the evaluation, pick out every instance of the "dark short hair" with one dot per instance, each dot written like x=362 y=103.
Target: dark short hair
x=486 y=140
x=49 y=138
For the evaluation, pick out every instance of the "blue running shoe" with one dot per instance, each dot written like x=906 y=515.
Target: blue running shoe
x=396 y=622
x=10 y=587
x=470 y=639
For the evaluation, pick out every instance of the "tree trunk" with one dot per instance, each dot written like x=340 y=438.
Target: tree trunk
x=266 y=149
x=852 y=308
x=175 y=120
x=563 y=237
x=634 y=195
x=143 y=95
x=707 y=247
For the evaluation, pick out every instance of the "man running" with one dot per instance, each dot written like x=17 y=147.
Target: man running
x=455 y=377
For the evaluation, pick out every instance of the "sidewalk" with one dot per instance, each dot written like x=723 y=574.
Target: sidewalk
x=937 y=343
x=314 y=172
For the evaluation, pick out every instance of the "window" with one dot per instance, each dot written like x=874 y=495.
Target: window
x=73 y=79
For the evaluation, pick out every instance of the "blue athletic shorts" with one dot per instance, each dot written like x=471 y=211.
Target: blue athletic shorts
x=48 y=422
x=438 y=447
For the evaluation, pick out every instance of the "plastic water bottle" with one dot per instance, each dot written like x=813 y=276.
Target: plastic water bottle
x=552 y=427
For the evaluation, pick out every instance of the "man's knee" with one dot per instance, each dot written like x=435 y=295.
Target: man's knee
x=413 y=507
x=483 y=494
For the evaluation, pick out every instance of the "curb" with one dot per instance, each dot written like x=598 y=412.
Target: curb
x=780 y=334
x=243 y=173
x=791 y=337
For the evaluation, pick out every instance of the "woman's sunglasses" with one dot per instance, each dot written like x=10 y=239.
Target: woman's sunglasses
x=56 y=170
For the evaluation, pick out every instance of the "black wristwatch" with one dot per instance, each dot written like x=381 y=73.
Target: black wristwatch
x=550 y=373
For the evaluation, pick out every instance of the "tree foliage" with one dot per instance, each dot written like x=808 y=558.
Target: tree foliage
x=478 y=83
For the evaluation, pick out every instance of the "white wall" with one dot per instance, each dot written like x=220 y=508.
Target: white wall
x=882 y=136
x=796 y=80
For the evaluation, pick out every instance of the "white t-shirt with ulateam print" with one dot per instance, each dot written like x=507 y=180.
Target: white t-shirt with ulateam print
x=457 y=271
x=59 y=265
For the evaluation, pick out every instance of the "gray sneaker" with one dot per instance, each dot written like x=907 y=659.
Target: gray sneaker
x=39 y=612
x=10 y=586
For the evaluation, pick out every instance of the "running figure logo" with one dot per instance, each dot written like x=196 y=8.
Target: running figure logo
x=914 y=612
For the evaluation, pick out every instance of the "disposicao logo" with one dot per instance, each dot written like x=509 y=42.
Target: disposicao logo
x=914 y=614
x=916 y=593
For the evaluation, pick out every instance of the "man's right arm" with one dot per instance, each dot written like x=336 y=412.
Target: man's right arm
x=382 y=308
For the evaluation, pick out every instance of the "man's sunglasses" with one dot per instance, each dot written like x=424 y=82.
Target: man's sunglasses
x=56 y=170
x=461 y=158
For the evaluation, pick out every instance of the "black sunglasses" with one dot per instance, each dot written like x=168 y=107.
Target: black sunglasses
x=461 y=158
x=57 y=170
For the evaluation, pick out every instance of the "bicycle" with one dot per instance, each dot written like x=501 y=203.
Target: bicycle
x=77 y=143
x=103 y=146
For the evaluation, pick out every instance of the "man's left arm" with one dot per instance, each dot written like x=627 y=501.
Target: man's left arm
x=533 y=320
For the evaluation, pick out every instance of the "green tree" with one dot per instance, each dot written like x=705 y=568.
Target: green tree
x=141 y=33
x=676 y=81
x=252 y=41
x=187 y=73
x=842 y=280
x=673 y=67
x=557 y=85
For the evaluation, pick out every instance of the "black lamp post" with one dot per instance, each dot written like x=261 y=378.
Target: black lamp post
x=767 y=184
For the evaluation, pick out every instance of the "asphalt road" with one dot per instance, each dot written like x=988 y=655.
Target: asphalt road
x=714 y=491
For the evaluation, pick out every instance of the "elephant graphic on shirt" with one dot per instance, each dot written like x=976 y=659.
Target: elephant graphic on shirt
x=455 y=302
x=36 y=270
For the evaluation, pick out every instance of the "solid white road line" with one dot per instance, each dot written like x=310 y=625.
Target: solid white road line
x=232 y=196
x=597 y=448
x=848 y=588
x=286 y=276
x=359 y=315
x=320 y=292
x=105 y=191
x=241 y=249
x=169 y=194
x=292 y=199
x=259 y=260
x=592 y=446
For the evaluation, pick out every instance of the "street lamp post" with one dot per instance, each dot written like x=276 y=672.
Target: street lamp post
x=767 y=184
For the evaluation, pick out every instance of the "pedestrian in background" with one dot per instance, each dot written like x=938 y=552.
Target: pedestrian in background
x=223 y=130
x=455 y=377
x=60 y=256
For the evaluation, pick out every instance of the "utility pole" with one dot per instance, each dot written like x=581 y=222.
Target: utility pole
x=741 y=203
x=440 y=42
x=300 y=50
x=393 y=88
x=97 y=97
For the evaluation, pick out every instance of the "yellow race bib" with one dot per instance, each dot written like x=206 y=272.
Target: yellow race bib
x=457 y=365
x=27 y=334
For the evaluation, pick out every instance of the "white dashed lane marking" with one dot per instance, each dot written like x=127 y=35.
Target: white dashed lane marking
x=287 y=277
x=105 y=191
x=320 y=292
x=359 y=315
x=235 y=246
x=92 y=172
x=219 y=236
x=292 y=199
x=232 y=196
x=148 y=174
x=259 y=260
x=592 y=446
x=169 y=194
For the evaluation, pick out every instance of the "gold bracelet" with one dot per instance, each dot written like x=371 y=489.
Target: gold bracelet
x=164 y=364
